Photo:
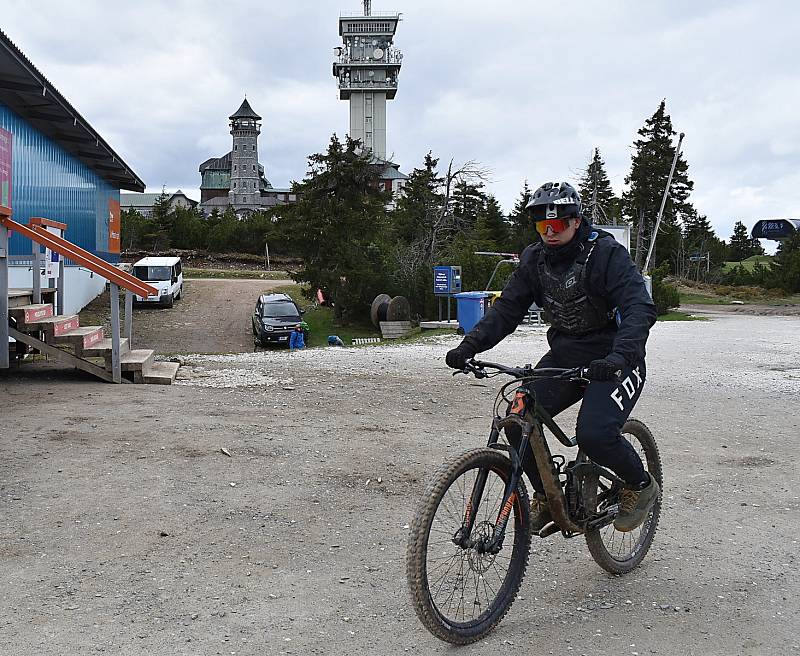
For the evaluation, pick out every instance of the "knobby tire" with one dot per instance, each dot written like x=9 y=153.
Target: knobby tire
x=431 y=616
x=640 y=539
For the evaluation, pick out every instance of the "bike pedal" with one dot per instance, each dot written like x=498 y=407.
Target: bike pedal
x=548 y=530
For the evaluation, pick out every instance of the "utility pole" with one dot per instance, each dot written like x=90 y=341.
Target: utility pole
x=663 y=203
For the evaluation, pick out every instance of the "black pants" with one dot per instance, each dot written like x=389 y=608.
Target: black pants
x=605 y=407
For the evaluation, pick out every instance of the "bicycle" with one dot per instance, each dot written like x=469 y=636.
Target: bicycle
x=477 y=503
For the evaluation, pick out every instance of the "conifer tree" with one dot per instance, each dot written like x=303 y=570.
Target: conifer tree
x=742 y=245
x=522 y=229
x=701 y=249
x=496 y=224
x=337 y=226
x=650 y=166
x=600 y=205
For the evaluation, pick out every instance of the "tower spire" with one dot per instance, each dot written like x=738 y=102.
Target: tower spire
x=367 y=7
x=245 y=189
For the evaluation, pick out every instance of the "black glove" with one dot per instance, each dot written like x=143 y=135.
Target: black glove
x=457 y=357
x=607 y=368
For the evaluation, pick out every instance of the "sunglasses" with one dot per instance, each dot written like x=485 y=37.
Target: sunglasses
x=556 y=225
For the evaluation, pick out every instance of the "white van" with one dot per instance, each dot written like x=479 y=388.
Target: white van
x=163 y=273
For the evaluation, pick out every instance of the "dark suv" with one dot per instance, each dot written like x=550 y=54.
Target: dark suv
x=274 y=319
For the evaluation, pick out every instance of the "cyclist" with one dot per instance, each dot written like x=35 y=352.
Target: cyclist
x=600 y=316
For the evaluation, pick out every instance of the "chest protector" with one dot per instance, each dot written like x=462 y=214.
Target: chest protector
x=568 y=307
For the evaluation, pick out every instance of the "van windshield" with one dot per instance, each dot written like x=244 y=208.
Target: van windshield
x=279 y=309
x=153 y=273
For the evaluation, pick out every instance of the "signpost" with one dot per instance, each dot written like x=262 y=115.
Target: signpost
x=446 y=283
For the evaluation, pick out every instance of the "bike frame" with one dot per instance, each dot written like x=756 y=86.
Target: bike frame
x=528 y=414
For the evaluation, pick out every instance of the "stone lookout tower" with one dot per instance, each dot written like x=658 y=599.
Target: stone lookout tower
x=244 y=191
x=367 y=67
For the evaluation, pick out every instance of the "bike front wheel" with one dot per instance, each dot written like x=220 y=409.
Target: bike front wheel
x=613 y=550
x=461 y=593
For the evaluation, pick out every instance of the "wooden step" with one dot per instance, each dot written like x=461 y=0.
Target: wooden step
x=102 y=348
x=395 y=329
x=81 y=338
x=160 y=373
x=135 y=360
x=26 y=313
x=54 y=326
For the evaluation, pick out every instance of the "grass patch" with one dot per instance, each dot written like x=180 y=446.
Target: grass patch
x=703 y=299
x=749 y=263
x=680 y=316
x=251 y=274
x=321 y=323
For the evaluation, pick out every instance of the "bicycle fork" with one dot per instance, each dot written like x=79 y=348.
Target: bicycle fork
x=531 y=436
x=493 y=545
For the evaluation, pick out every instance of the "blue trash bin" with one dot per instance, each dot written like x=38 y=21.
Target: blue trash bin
x=471 y=307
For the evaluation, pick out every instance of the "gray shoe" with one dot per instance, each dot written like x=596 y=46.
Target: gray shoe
x=635 y=505
x=540 y=512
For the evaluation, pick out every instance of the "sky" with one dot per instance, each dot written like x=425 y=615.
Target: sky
x=525 y=88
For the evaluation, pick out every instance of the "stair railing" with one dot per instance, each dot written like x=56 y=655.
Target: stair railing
x=37 y=232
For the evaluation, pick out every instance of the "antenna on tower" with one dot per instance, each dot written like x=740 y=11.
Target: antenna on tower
x=367 y=7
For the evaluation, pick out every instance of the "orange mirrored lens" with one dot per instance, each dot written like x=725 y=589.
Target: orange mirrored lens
x=556 y=225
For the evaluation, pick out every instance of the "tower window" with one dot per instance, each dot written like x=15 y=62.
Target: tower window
x=236 y=147
x=234 y=185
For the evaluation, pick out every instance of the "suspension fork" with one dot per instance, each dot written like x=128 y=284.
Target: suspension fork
x=462 y=536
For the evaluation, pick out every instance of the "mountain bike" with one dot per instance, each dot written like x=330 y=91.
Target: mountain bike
x=470 y=537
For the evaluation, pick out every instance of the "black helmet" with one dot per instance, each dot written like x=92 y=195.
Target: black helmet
x=554 y=200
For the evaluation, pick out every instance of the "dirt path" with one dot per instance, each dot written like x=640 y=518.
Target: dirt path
x=125 y=530
x=749 y=309
x=213 y=316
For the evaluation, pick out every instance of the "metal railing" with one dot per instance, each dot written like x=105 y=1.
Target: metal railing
x=39 y=235
x=390 y=57
x=377 y=86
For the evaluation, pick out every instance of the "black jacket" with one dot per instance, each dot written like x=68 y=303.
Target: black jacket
x=610 y=274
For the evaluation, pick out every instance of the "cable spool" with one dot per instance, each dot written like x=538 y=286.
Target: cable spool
x=399 y=309
x=379 y=309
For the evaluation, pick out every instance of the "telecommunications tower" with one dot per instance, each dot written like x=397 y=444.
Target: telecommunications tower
x=367 y=67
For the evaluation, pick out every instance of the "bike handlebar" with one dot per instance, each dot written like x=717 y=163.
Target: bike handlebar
x=476 y=367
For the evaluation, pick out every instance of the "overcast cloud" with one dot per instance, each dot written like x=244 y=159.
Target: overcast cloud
x=526 y=88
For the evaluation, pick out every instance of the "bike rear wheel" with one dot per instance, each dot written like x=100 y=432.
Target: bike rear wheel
x=613 y=550
x=460 y=594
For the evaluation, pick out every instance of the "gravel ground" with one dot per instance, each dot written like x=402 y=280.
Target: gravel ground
x=124 y=527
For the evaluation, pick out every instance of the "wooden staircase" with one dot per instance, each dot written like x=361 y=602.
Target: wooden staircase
x=84 y=347
x=32 y=321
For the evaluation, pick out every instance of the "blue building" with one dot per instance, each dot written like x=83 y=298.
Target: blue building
x=53 y=164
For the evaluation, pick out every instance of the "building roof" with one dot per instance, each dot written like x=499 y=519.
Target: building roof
x=30 y=94
x=217 y=163
x=245 y=111
x=224 y=164
x=147 y=200
x=392 y=173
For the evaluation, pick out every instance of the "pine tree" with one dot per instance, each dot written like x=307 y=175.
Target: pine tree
x=338 y=224
x=421 y=200
x=522 y=230
x=469 y=202
x=742 y=245
x=701 y=248
x=496 y=224
x=600 y=205
x=650 y=166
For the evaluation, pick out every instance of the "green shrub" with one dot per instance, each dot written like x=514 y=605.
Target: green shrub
x=665 y=295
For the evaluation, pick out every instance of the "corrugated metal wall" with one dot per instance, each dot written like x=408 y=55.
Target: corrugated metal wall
x=47 y=181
